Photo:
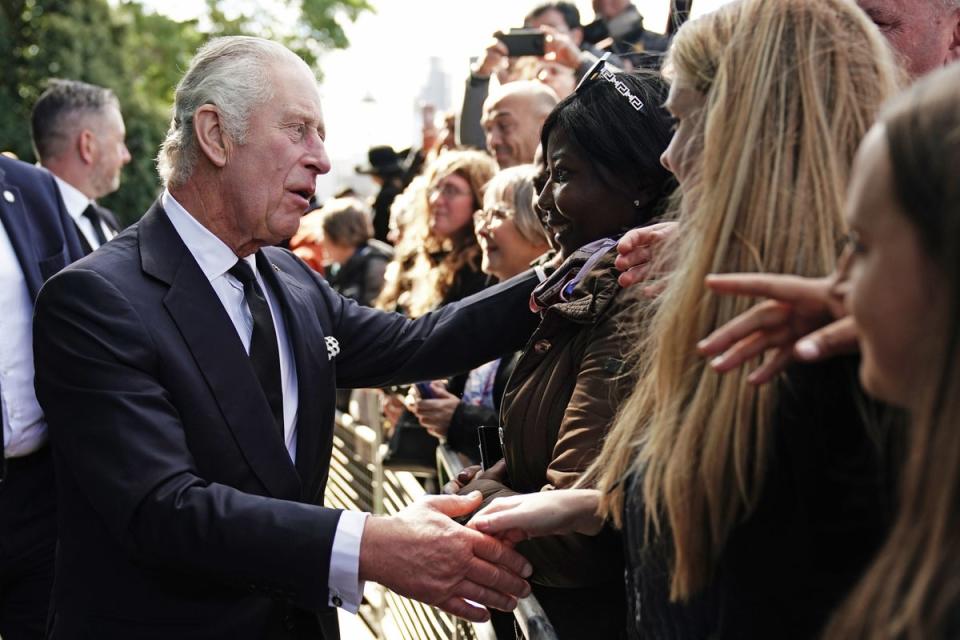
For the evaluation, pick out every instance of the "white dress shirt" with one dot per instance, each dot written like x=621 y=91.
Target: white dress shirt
x=76 y=203
x=24 y=429
x=215 y=259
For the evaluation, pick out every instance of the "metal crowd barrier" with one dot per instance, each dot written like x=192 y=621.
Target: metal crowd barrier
x=358 y=481
x=530 y=616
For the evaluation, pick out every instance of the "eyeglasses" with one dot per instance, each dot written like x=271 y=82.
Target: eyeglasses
x=446 y=191
x=484 y=217
x=598 y=72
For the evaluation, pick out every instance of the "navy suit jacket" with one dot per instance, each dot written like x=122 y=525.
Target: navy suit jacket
x=41 y=232
x=182 y=515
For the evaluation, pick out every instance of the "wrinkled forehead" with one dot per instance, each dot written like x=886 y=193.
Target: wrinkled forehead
x=296 y=92
x=517 y=104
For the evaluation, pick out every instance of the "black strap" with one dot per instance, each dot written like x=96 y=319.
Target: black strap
x=91 y=214
x=264 y=353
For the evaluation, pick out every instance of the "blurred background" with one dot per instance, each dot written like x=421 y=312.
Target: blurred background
x=379 y=62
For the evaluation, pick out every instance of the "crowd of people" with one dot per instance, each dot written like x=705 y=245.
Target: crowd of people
x=703 y=288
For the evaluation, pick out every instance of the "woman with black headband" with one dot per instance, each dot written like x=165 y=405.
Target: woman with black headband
x=601 y=148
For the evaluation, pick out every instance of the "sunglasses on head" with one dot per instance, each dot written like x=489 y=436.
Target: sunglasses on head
x=599 y=72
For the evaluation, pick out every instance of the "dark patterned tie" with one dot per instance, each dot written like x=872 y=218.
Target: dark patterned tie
x=264 y=353
x=91 y=214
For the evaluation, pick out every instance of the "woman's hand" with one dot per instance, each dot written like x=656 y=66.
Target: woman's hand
x=435 y=414
x=465 y=477
x=638 y=249
x=804 y=320
x=497 y=473
x=546 y=513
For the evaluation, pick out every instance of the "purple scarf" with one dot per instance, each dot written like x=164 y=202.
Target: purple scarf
x=560 y=285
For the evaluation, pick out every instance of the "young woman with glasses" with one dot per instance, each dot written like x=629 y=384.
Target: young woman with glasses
x=438 y=260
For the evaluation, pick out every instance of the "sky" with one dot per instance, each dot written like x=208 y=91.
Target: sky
x=372 y=91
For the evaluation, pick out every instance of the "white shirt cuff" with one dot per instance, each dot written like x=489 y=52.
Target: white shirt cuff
x=344 y=585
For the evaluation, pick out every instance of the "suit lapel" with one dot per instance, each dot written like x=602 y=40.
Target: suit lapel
x=309 y=354
x=219 y=354
x=14 y=220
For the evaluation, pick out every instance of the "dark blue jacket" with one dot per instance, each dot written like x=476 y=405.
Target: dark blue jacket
x=182 y=514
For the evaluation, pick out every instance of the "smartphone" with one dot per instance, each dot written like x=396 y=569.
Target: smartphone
x=491 y=446
x=523 y=42
x=425 y=390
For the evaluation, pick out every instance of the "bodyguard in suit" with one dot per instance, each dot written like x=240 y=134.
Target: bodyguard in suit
x=37 y=239
x=78 y=134
x=188 y=371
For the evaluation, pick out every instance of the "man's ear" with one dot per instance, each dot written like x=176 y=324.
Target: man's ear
x=87 y=146
x=953 y=50
x=211 y=138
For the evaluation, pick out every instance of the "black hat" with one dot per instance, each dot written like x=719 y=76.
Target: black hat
x=383 y=161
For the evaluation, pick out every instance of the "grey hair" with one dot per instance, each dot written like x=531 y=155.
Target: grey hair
x=231 y=73
x=512 y=190
x=58 y=110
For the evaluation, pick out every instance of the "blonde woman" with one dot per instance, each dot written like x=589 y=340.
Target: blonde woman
x=900 y=293
x=749 y=512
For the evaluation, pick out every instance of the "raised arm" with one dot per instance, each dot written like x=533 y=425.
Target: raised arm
x=803 y=320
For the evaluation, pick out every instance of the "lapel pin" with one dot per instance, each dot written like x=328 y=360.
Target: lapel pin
x=275 y=267
x=8 y=196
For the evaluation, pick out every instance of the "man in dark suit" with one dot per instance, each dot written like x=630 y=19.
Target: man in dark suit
x=78 y=134
x=37 y=239
x=188 y=371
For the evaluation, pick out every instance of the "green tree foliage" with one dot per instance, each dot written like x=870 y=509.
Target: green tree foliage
x=140 y=55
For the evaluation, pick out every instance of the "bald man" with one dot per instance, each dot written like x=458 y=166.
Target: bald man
x=512 y=118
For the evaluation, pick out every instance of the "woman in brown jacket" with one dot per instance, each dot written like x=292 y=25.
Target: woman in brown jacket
x=601 y=148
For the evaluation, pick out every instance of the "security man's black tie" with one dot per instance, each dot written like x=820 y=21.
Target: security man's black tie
x=91 y=214
x=264 y=353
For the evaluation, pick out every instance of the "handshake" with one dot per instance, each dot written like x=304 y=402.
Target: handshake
x=421 y=553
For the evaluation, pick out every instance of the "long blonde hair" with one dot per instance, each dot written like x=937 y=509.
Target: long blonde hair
x=424 y=278
x=790 y=89
x=913 y=588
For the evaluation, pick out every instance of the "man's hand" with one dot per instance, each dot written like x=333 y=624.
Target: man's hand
x=559 y=48
x=494 y=57
x=804 y=320
x=435 y=414
x=422 y=554
x=519 y=517
x=638 y=249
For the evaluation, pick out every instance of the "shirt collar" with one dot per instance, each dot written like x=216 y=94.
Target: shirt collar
x=211 y=253
x=73 y=198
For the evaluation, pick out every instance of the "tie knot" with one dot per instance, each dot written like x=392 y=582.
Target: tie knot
x=242 y=272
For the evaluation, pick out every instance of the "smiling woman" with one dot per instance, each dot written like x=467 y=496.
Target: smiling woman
x=603 y=176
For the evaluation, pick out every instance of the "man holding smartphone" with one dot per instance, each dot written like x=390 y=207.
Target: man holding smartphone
x=563 y=44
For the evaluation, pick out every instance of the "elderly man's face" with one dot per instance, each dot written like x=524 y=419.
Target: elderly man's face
x=268 y=181
x=512 y=125
x=923 y=32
